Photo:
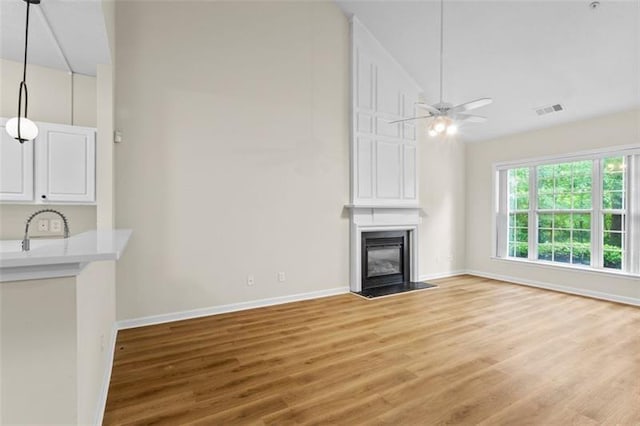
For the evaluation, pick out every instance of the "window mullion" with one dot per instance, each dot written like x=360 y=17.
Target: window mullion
x=502 y=220
x=627 y=256
x=533 y=216
x=597 y=234
x=633 y=214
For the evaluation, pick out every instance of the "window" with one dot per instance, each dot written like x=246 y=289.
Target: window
x=564 y=212
x=614 y=191
x=519 y=212
x=574 y=211
x=564 y=237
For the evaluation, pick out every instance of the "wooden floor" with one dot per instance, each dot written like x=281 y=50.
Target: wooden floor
x=472 y=351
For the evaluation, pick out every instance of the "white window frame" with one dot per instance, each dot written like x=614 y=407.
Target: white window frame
x=624 y=211
x=631 y=245
x=528 y=212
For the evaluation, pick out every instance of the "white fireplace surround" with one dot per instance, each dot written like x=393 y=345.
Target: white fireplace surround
x=384 y=169
x=373 y=219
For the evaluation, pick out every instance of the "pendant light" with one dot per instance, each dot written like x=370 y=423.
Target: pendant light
x=21 y=128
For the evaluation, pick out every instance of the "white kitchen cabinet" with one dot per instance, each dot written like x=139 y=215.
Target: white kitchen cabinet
x=59 y=166
x=65 y=164
x=16 y=168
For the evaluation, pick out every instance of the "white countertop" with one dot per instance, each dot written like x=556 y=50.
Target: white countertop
x=79 y=250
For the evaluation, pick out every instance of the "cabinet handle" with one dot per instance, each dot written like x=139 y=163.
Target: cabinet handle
x=43 y=197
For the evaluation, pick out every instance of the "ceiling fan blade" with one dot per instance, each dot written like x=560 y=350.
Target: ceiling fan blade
x=470 y=118
x=468 y=106
x=409 y=119
x=428 y=107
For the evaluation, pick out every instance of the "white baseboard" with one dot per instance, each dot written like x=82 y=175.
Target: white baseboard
x=102 y=401
x=221 y=309
x=439 y=275
x=563 y=289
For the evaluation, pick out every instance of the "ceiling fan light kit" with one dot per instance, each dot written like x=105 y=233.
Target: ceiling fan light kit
x=442 y=124
x=445 y=117
x=21 y=128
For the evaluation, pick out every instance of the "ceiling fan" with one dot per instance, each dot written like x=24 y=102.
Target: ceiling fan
x=445 y=115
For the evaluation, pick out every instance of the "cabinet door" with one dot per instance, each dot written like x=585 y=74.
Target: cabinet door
x=16 y=168
x=65 y=164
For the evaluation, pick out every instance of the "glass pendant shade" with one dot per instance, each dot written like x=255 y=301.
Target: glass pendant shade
x=28 y=129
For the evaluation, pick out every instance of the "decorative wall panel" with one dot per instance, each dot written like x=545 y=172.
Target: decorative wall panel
x=383 y=155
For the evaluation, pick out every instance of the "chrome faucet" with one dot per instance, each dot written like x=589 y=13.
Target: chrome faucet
x=25 y=240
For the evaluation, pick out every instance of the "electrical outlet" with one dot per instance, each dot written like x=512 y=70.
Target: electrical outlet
x=250 y=280
x=282 y=277
x=43 y=225
x=55 y=225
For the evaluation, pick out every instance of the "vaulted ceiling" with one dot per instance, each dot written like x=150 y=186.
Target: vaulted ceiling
x=524 y=54
x=74 y=38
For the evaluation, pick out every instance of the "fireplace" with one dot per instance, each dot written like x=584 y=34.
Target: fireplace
x=392 y=234
x=385 y=258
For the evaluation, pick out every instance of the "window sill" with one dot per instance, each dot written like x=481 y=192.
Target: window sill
x=566 y=267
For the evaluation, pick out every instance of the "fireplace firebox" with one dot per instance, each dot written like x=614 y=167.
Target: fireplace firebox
x=385 y=258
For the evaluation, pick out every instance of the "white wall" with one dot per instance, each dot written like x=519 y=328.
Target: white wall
x=95 y=310
x=601 y=132
x=39 y=352
x=235 y=152
x=442 y=199
x=97 y=284
x=49 y=94
x=50 y=100
x=13 y=216
x=56 y=335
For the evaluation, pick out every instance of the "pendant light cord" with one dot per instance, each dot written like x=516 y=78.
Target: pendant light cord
x=26 y=44
x=441 y=48
x=23 y=83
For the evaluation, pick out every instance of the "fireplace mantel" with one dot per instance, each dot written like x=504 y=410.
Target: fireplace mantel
x=378 y=206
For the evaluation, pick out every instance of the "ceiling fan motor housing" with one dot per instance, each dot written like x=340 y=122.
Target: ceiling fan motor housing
x=443 y=107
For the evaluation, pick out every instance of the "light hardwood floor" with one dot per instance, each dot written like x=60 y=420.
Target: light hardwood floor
x=472 y=351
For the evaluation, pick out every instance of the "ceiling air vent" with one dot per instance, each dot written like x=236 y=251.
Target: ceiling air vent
x=549 y=109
